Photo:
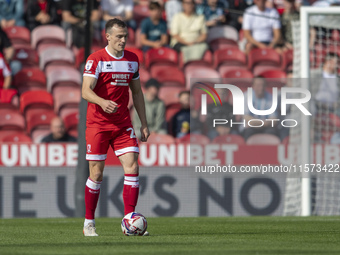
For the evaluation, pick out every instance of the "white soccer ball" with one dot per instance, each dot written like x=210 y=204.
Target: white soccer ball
x=134 y=224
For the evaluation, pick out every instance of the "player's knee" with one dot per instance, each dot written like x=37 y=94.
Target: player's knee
x=133 y=169
x=96 y=171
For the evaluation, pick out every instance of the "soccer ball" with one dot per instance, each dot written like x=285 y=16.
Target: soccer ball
x=134 y=224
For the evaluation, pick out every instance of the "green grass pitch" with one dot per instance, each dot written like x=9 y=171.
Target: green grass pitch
x=201 y=235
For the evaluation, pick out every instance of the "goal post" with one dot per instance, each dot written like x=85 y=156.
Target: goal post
x=302 y=197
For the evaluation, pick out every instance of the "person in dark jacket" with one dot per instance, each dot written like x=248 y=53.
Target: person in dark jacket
x=42 y=12
x=58 y=133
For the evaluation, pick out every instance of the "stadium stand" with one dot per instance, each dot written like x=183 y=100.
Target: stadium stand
x=260 y=60
x=59 y=76
x=31 y=100
x=222 y=37
x=30 y=78
x=11 y=120
x=17 y=137
x=27 y=56
x=229 y=139
x=19 y=35
x=263 y=139
x=229 y=59
x=161 y=138
x=48 y=35
x=169 y=95
x=171 y=110
x=194 y=139
x=169 y=77
x=207 y=60
x=66 y=98
x=163 y=56
x=38 y=123
x=201 y=74
x=60 y=56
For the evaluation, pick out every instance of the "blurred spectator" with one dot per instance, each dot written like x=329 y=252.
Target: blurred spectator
x=328 y=93
x=58 y=133
x=224 y=111
x=7 y=50
x=154 y=109
x=74 y=18
x=5 y=74
x=120 y=9
x=11 y=13
x=42 y=12
x=181 y=120
x=236 y=19
x=172 y=7
x=189 y=32
x=261 y=26
x=213 y=11
x=153 y=29
x=290 y=14
x=262 y=100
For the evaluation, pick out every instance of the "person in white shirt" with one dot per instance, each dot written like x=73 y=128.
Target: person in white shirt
x=261 y=26
x=120 y=9
x=328 y=93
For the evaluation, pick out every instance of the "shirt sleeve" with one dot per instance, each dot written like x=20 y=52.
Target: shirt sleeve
x=136 y=74
x=174 y=29
x=276 y=20
x=92 y=67
x=6 y=70
x=246 y=25
x=144 y=26
x=164 y=28
x=129 y=5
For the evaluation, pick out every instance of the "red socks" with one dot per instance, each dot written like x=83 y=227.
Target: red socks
x=130 y=192
x=92 y=190
x=130 y=195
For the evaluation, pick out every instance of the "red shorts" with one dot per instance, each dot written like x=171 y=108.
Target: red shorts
x=122 y=140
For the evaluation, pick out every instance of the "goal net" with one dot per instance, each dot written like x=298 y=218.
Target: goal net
x=316 y=41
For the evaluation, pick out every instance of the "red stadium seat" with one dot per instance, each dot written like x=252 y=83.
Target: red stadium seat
x=6 y=95
x=237 y=74
x=194 y=139
x=47 y=34
x=205 y=61
x=171 y=110
x=161 y=139
x=140 y=12
x=27 y=56
x=201 y=74
x=260 y=60
x=38 y=99
x=60 y=56
x=80 y=53
x=30 y=78
x=11 y=120
x=18 y=35
x=169 y=95
x=229 y=57
x=39 y=119
x=59 y=76
x=273 y=74
x=66 y=98
x=229 y=139
x=138 y=52
x=169 y=77
x=263 y=139
x=164 y=56
x=222 y=37
x=71 y=121
x=287 y=60
x=17 y=137
x=144 y=75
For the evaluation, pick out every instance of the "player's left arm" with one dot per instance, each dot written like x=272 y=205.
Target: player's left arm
x=138 y=101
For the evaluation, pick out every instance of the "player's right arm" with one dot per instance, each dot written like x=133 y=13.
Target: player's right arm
x=89 y=83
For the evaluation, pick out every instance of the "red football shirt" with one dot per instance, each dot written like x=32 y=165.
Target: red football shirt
x=113 y=77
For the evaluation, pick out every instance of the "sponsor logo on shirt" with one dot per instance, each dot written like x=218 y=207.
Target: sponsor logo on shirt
x=130 y=68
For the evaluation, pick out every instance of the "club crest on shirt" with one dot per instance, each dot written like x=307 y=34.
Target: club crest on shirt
x=130 y=68
x=89 y=148
x=88 y=65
